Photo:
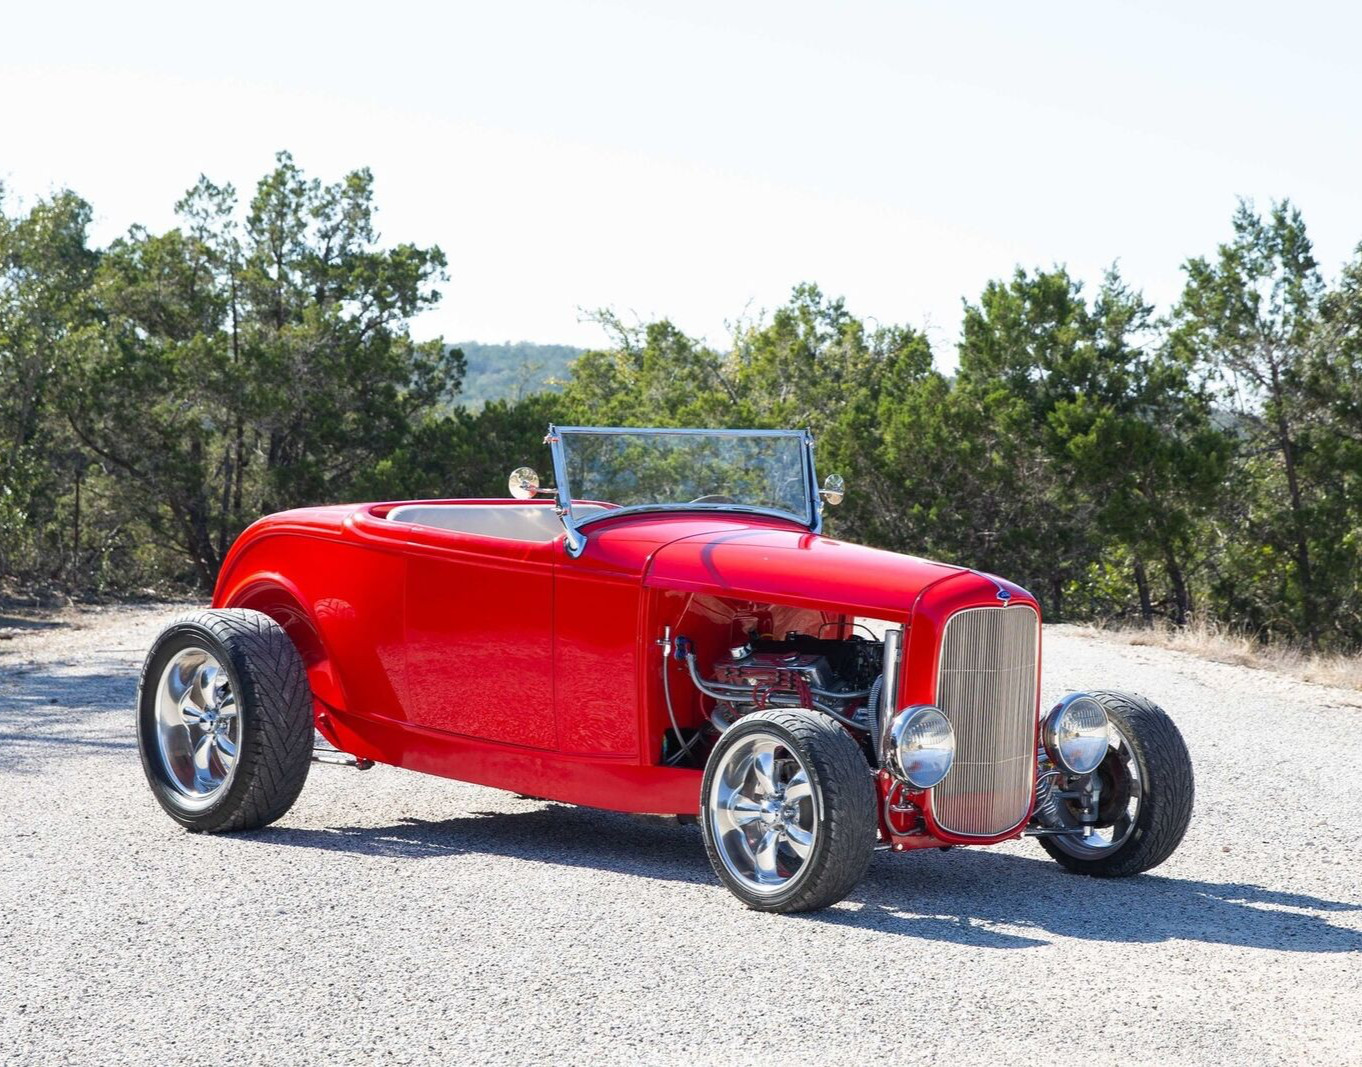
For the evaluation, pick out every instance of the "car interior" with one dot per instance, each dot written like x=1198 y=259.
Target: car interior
x=513 y=522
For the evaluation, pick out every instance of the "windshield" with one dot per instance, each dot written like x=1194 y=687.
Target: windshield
x=750 y=469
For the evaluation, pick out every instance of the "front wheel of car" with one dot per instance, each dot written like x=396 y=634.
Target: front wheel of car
x=224 y=720
x=1145 y=797
x=788 y=811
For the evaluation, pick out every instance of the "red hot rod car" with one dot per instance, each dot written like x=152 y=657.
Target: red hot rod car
x=665 y=631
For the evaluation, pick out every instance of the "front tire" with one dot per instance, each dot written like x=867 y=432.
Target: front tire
x=788 y=811
x=224 y=721
x=1146 y=799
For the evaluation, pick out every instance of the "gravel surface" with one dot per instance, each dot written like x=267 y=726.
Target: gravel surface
x=400 y=918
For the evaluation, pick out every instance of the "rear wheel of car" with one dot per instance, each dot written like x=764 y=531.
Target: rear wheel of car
x=788 y=810
x=224 y=721
x=1145 y=802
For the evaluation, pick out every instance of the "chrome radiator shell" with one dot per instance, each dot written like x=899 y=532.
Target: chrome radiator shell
x=986 y=686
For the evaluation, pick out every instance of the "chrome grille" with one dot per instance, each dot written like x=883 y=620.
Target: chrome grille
x=986 y=686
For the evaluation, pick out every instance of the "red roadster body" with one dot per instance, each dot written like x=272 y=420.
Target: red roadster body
x=509 y=663
x=671 y=634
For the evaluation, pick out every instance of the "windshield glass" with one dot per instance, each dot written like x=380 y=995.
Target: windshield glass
x=764 y=470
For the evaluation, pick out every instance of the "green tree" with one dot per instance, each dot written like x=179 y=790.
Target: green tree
x=336 y=377
x=148 y=387
x=466 y=453
x=1250 y=319
x=1133 y=428
x=1022 y=345
x=1333 y=384
x=46 y=266
x=226 y=375
x=654 y=375
x=1103 y=429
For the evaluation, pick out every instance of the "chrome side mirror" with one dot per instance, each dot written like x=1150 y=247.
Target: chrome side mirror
x=834 y=488
x=524 y=483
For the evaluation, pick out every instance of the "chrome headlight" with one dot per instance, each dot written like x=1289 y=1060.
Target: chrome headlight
x=1075 y=733
x=921 y=746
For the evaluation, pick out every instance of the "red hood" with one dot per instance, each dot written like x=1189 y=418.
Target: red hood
x=796 y=567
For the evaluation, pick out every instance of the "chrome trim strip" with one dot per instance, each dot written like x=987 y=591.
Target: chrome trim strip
x=741 y=509
x=986 y=686
x=683 y=431
x=575 y=541
x=815 y=497
x=889 y=690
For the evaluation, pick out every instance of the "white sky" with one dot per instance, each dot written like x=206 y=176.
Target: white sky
x=698 y=159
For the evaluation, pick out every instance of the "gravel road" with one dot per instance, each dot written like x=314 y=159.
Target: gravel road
x=392 y=917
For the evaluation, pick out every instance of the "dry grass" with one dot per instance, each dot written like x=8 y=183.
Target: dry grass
x=1223 y=645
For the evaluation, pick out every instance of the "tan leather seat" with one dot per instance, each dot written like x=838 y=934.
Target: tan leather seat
x=514 y=522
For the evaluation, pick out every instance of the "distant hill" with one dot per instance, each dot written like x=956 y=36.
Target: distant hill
x=511 y=370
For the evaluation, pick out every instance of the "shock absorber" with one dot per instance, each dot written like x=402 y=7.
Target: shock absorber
x=1047 y=804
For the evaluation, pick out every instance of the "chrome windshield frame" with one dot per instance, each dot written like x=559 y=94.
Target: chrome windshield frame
x=576 y=537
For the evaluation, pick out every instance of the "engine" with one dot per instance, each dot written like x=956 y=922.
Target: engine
x=835 y=676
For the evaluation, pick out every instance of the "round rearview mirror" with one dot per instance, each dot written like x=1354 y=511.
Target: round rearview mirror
x=524 y=483
x=834 y=488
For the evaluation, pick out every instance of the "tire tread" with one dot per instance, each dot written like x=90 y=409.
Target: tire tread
x=1169 y=790
x=276 y=746
x=849 y=822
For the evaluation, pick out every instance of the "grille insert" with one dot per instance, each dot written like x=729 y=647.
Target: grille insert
x=986 y=686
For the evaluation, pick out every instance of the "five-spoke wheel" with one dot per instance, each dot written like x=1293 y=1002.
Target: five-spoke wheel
x=788 y=810
x=763 y=813
x=198 y=730
x=224 y=717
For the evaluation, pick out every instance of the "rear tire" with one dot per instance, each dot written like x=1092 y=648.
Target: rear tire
x=1164 y=781
x=788 y=811
x=224 y=721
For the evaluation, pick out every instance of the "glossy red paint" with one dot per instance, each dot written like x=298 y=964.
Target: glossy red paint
x=794 y=566
x=478 y=634
x=511 y=664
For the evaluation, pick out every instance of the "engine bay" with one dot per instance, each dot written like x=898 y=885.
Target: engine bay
x=839 y=676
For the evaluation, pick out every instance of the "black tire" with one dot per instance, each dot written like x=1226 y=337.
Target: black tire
x=843 y=797
x=1167 y=791
x=274 y=708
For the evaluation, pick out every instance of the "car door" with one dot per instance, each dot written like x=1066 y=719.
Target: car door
x=597 y=603
x=479 y=636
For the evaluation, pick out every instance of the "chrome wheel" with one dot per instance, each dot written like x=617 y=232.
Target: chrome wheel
x=763 y=813
x=1118 y=802
x=198 y=730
